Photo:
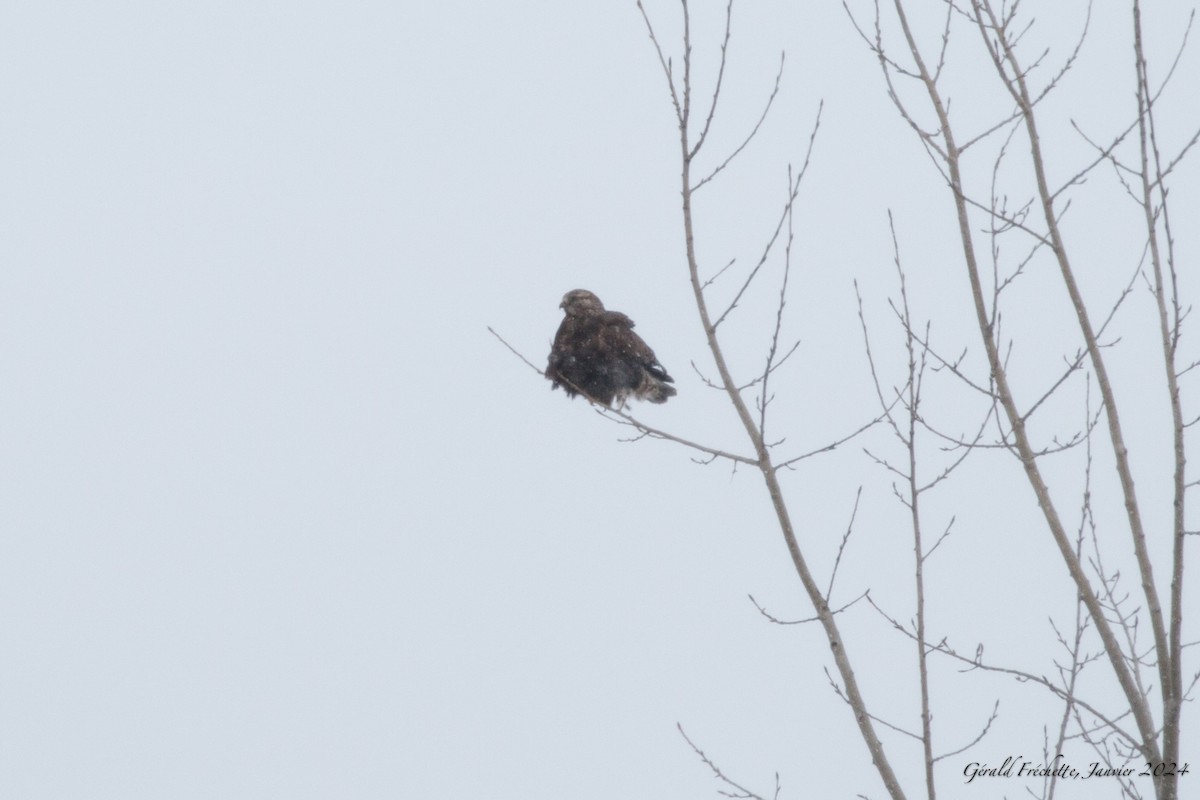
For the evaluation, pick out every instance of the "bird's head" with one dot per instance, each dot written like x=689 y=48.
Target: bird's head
x=580 y=301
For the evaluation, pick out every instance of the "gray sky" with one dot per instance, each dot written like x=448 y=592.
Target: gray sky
x=281 y=519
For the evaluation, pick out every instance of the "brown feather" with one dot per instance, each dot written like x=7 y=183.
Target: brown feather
x=597 y=354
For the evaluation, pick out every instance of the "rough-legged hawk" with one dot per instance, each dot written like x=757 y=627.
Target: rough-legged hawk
x=596 y=353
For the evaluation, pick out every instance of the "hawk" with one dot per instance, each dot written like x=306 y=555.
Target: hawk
x=597 y=354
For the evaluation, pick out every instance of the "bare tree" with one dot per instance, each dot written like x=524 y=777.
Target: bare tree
x=1001 y=242
x=1026 y=83
x=693 y=136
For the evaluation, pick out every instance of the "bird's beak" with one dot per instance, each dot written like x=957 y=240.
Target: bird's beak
x=563 y=305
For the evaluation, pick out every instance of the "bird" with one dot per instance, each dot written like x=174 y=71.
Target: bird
x=597 y=354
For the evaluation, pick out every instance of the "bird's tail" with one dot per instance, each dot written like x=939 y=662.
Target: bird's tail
x=654 y=389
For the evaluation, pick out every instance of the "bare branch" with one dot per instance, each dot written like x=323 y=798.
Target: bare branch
x=514 y=351
x=740 y=791
x=712 y=108
x=793 y=192
x=753 y=131
x=628 y=419
x=1027 y=677
x=624 y=418
x=831 y=445
x=842 y=547
x=807 y=620
x=718 y=274
x=662 y=60
x=979 y=738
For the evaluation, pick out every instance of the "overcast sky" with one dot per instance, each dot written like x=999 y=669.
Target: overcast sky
x=279 y=518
